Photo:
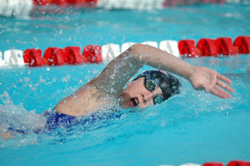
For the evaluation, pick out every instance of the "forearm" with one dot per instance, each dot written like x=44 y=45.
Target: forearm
x=147 y=55
x=122 y=68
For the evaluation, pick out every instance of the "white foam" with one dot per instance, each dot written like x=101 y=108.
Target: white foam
x=17 y=117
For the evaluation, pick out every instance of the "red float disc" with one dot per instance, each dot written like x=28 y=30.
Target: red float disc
x=72 y=55
x=238 y=163
x=207 y=47
x=54 y=56
x=187 y=48
x=93 y=53
x=33 y=57
x=225 y=46
x=243 y=44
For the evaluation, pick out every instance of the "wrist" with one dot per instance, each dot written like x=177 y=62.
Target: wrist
x=191 y=69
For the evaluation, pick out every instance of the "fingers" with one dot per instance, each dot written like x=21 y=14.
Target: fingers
x=224 y=78
x=217 y=91
x=225 y=86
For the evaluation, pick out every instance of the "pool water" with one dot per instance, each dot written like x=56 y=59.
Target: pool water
x=191 y=127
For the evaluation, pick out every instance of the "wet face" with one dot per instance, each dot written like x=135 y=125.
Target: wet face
x=136 y=94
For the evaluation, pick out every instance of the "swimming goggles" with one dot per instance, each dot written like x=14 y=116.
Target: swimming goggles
x=151 y=86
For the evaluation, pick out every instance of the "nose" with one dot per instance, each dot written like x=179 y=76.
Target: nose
x=147 y=97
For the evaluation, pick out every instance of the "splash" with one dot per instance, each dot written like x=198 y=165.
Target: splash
x=17 y=118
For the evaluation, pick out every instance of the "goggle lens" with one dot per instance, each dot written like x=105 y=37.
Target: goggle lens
x=158 y=99
x=151 y=85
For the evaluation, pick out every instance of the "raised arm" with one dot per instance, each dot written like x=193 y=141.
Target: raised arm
x=113 y=78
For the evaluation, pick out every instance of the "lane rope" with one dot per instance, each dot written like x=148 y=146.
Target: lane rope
x=72 y=55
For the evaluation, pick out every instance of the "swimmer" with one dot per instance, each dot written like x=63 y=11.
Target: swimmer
x=152 y=87
x=149 y=88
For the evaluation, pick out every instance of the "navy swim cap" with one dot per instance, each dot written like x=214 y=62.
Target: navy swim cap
x=168 y=83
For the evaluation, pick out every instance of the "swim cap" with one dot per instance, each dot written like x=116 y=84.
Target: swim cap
x=168 y=83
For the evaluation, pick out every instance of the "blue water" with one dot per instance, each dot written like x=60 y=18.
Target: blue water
x=191 y=127
x=119 y=26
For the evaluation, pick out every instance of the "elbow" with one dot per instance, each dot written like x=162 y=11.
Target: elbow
x=135 y=50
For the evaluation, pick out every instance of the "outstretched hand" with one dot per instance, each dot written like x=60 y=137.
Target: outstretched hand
x=211 y=81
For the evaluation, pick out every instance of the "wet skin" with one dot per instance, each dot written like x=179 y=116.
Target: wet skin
x=105 y=90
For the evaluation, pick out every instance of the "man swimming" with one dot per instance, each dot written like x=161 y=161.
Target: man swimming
x=106 y=91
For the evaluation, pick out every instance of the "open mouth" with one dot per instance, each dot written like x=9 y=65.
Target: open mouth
x=133 y=102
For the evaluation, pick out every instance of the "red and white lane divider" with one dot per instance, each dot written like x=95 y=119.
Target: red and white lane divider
x=231 y=163
x=25 y=7
x=54 y=56
x=211 y=47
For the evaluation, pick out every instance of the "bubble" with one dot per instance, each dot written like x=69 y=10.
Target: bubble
x=41 y=79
